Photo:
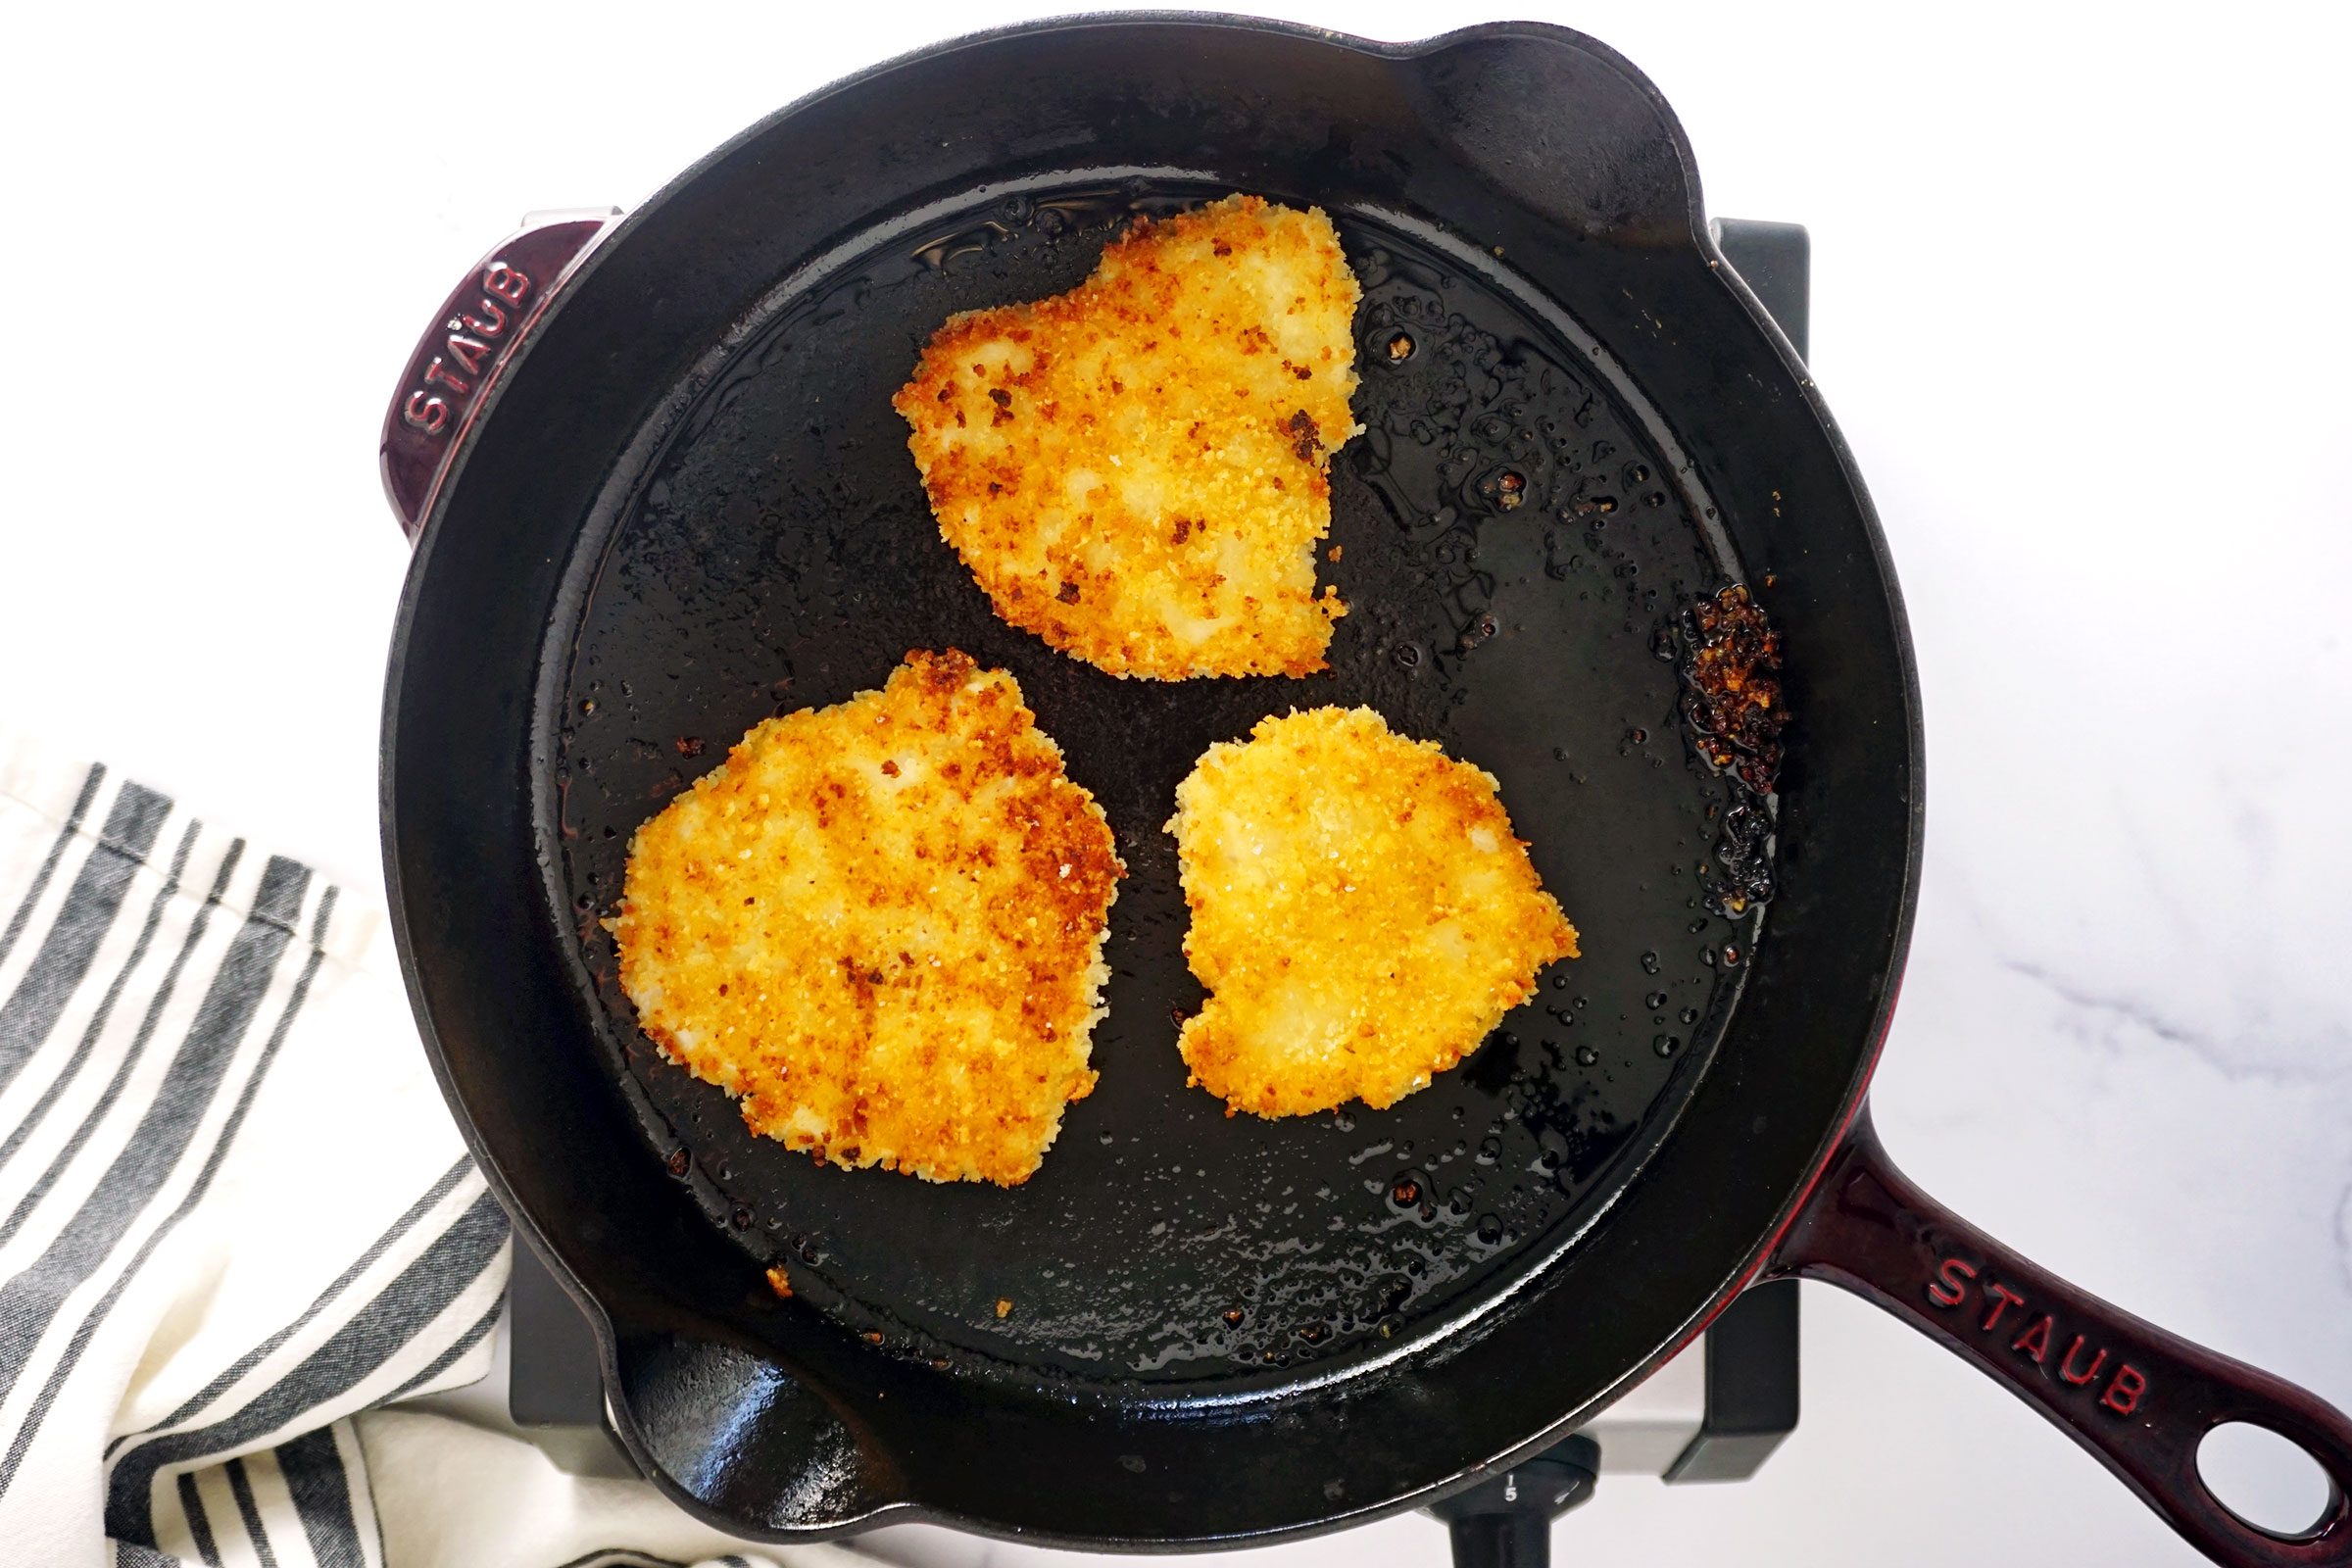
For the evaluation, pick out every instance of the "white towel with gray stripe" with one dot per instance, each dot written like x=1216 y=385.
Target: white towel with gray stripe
x=236 y=1221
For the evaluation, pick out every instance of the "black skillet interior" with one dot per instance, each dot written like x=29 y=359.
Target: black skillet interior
x=1219 y=1327
x=1517 y=552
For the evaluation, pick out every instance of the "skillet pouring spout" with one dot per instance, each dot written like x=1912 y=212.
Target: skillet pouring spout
x=2139 y=1398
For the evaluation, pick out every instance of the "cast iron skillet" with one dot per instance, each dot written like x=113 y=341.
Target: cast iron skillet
x=676 y=499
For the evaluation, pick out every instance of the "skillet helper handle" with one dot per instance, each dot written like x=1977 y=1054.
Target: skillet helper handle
x=2139 y=1398
x=471 y=338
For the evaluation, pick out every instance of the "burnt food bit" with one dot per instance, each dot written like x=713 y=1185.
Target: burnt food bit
x=1731 y=659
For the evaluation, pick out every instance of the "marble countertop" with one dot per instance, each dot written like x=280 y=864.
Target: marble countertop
x=2074 y=305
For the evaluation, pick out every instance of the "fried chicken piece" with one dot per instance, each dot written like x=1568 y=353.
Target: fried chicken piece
x=1361 y=913
x=1136 y=470
x=880 y=925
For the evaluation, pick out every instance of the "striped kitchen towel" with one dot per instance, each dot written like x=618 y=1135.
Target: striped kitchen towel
x=233 y=1210
x=234 y=1215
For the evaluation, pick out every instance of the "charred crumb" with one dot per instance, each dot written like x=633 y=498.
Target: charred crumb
x=1731 y=657
x=1305 y=439
x=1741 y=875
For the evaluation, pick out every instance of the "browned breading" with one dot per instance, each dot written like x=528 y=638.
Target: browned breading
x=1135 y=470
x=880 y=924
x=1361 y=913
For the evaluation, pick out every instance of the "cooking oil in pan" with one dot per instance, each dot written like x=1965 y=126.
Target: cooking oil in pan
x=1517 y=548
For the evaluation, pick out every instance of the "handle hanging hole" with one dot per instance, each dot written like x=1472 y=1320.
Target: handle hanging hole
x=2265 y=1479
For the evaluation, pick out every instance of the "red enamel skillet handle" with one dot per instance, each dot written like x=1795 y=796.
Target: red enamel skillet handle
x=2141 y=1400
x=469 y=344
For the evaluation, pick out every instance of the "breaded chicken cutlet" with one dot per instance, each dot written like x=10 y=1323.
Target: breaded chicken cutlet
x=1136 y=470
x=1361 y=913
x=880 y=926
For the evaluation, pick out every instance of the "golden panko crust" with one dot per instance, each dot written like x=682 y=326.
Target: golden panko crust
x=1136 y=470
x=880 y=925
x=1361 y=913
